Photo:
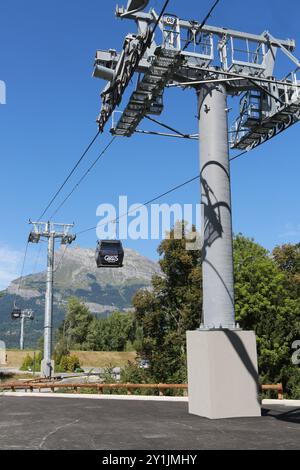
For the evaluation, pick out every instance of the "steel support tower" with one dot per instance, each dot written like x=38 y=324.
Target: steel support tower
x=22 y=315
x=216 y=228
x=217 y=62
x=50 y=231
x=25 y=315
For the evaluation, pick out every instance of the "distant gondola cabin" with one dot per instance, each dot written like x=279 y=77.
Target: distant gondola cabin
x=16 y=313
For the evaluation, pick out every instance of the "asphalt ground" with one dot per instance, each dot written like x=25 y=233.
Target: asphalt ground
x=83 y=424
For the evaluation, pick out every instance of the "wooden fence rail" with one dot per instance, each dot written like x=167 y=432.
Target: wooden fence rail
x=100 y=387
x=277 y=387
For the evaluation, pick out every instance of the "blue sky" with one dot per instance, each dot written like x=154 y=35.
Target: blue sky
x=46 y=60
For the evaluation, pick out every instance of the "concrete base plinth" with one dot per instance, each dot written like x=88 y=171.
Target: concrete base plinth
x=222 y=374
x=47 y=369
x=3 y=360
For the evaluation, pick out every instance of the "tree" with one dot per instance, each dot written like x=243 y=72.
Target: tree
x=287 y=258
x=120 y=327
x=170 y=309
x=111 y=334
x=265 y=302
x=76 y=324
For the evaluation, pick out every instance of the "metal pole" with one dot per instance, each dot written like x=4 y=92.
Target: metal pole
x=34 y=358
x=47 y=367
x=22 y=333
x=47 y=230
x=217 y=254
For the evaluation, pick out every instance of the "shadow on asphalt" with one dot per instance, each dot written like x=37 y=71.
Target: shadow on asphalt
x=291 y=416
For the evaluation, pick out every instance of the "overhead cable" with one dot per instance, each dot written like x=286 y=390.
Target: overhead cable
x=69 y=176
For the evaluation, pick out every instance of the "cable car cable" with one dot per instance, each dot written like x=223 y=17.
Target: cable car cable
x=167 y=127
x=127 y=213
x=37 y=258
x=61 y=259
x=90 y=168
x=175 y=188
x=69 y=175
x=160 y=16
x=23 y=267
x=21 y=277
x=83 y=177
x=89 y=146
x=202 y=24
x=161 y=134
x=264 y=90
x=142 y=205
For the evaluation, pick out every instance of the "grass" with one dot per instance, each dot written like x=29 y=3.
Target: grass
x=91 y=359
x=9 y=377
x=104 y=358
x=16 y=357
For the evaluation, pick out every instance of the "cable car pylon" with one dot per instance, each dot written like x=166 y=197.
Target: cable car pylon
x=185 y=55
x=51 y=232
x=23 y=315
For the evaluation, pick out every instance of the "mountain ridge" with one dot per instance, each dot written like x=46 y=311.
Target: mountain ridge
x=102 y=290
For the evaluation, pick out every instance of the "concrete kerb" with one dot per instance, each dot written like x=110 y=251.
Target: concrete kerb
x=93 y=396
x=287 y=403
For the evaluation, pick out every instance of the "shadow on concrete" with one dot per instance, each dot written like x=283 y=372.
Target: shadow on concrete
x=244 y=356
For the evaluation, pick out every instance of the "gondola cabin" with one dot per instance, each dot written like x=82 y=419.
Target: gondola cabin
x=109 y=254
x=16 y=313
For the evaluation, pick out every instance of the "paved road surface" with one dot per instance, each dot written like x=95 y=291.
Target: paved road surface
x=60 y=423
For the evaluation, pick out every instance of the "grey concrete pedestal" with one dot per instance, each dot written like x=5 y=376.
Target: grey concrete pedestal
x=222 y=374
x=2 y=353
x=47 y=368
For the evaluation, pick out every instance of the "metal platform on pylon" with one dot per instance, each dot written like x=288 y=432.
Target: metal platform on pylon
x=147 y=98
x=244 y=64
x=258 y=122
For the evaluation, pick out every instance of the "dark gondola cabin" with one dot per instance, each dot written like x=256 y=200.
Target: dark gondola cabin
x=16 y=313
x=109 y=254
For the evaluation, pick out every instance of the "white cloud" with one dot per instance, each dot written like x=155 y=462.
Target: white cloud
x=11 y=261
x=291 y=231
x=2 y=92
x=10 y=265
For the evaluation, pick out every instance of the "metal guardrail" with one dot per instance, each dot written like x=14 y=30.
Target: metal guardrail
x=100 y=387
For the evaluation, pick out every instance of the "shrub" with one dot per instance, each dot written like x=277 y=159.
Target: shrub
x=69 y=363
x=31 y=363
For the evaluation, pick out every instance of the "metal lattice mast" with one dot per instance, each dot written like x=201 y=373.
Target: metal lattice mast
x=50 y=231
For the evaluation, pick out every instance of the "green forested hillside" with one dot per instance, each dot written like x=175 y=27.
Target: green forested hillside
x=103 y=291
